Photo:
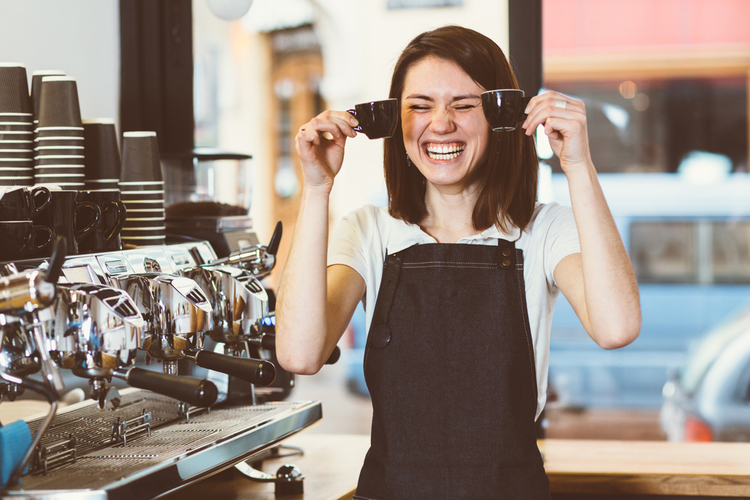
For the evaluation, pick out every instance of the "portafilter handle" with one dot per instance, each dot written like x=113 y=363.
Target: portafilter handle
x=191 y=390
x=256 y=371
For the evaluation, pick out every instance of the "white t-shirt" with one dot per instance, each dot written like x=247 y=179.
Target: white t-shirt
x=364 y=236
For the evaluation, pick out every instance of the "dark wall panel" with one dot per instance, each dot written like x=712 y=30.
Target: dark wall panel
x=157 y=71
x=525 y=30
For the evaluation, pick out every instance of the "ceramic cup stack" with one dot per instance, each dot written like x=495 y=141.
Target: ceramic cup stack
x=142 y=187
x=16 y=127
x=20 y=236
x=59 y=160
x=102 y=157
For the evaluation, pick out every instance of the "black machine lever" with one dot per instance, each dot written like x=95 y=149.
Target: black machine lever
x=191 y=390
x=256 y=371
x=57 y=260
x=273 y=245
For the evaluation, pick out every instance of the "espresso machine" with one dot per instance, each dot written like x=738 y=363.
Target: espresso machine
x=172 y=340
x=137 y=316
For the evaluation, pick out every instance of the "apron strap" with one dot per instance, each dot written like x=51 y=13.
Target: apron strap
x=380 y=333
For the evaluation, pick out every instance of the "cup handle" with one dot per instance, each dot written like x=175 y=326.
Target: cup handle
x=40 y=191
x=34 y=231
x=352 y=112
x=121 y=214
x=83 y=205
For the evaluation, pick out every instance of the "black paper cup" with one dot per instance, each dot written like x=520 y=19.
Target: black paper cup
x=59 y=160
x=16 y=173
x=142 y=195
x=102 y=153
x=60 y=132
x=36 y=87
x=150 y=224
x=61 y=151
x=17 y=162
x=101 y=184
x=25 y=154
x=65 y=186
x=52 y=142
x=14 y=89
x=16 y=135
x=16 y=117
x=17 y=181
x=140 y=158
x=24 y=170
x=16 y=127
x=144 y=204
x=17 y=144
x=58 y=105
x=61 y=169
x=140 y=187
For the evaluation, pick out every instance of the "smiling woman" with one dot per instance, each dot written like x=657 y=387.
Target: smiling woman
x=445 y=133
x=462 y=261
x=465 y=69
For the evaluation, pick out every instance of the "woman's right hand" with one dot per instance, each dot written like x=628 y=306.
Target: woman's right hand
x=320 y=146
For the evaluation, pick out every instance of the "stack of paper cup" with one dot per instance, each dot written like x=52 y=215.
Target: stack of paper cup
x=142 y=187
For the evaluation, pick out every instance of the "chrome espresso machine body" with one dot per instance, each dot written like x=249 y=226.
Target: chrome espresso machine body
x=150 y=306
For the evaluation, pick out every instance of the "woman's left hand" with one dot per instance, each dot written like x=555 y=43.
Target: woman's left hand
x=564 y=121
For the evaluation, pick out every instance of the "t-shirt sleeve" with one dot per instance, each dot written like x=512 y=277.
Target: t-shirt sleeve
x=347 y=246
x=561 y=238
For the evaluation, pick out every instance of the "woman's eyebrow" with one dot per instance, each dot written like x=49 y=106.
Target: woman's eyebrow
x=419 y=96
x=469 y=96
x=455 y=98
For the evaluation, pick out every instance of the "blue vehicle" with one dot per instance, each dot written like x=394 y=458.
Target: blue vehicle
x=690 y=247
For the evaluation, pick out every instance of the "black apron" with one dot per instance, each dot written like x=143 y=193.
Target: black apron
x=450 y=368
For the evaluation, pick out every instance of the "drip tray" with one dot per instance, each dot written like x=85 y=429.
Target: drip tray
x=167 y=450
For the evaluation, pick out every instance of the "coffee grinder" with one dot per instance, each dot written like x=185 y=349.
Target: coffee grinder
x=208 y=197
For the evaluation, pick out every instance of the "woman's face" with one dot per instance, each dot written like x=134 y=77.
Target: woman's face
x=445 y=132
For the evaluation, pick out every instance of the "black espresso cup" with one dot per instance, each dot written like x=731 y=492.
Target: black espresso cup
x=21 y=237
x=504 y=108
x=62 y=215
x=106 y=235
x=23 y=203
x=377 y=119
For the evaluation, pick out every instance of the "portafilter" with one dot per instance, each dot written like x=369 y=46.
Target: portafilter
x=22 y=295
x=96 y=333
x=239 y=304
x=175 y=312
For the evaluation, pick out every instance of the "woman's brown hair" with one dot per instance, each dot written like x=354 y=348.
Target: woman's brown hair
x=509 y=177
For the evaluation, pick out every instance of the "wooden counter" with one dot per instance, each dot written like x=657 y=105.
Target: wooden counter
x=647 y=468
x=576 y=468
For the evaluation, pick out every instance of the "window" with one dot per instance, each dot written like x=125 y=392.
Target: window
x=699 y=251
x=652 y=125
x=663 y=251
x=731 y=251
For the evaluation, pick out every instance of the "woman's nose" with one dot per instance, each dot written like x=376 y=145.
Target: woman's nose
x=442 y=121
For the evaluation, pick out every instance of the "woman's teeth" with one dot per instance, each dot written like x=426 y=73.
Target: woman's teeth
x=443 y=152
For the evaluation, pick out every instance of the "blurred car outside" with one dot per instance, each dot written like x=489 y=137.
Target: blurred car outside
x=708 y=399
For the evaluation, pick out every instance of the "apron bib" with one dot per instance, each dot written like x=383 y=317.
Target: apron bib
x=450 y=368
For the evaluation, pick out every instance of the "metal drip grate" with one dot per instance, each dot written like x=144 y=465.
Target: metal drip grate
x=217 y=439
